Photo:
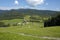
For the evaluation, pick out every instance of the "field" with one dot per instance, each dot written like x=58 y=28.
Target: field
x=30 y=31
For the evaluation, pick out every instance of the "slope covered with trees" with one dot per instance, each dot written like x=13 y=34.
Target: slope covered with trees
x=20 y=13
x=54 y=21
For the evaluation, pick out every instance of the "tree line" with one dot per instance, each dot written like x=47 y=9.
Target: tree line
x=54 y=21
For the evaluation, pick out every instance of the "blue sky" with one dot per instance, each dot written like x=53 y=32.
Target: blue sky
x=31 y=4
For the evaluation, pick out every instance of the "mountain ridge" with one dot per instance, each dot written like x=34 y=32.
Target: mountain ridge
x=21 y=12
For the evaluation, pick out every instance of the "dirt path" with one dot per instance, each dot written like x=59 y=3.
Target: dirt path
x=45 y=37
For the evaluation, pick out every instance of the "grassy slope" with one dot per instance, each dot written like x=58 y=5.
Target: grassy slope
x=5 y=35
x=28 y=29
x=53 y=31
x=9 y=36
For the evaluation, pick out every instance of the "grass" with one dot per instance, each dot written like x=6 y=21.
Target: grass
x=9 y=36
x=31 y=28
x=5 y=35
x=50 y=32
x=12 y=21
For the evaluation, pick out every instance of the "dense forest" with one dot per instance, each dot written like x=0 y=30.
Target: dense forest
x=54 y=21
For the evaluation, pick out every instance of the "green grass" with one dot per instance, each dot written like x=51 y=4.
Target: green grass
x=36 y=29
x=12 y=21
x=50 y=32
x=9 y=36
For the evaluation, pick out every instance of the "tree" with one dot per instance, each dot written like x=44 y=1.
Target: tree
x=2 y=24
x=55 y=21
x=27 y=18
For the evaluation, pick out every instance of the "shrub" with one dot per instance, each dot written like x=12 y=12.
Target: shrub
x=2 y=24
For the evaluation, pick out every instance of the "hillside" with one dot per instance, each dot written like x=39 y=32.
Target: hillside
x=19 y=13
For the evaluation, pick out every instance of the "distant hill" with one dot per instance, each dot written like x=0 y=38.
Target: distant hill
x=19 y=13
x=3 y=11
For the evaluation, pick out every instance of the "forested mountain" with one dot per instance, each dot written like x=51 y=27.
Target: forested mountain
x=19 y=13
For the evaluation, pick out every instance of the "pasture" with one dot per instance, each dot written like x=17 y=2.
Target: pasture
x=30 y=31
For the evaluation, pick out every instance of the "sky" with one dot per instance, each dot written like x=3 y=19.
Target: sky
x=30 y=4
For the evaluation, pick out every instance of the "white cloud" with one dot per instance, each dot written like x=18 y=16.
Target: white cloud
x=4 y=8
x=57 y=8
x=8 y=8
x=16 y=2
x=35 y=2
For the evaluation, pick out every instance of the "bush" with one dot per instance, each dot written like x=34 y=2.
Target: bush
x=2 y=24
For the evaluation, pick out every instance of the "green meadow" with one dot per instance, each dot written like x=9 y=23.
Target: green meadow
x=30 y=31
